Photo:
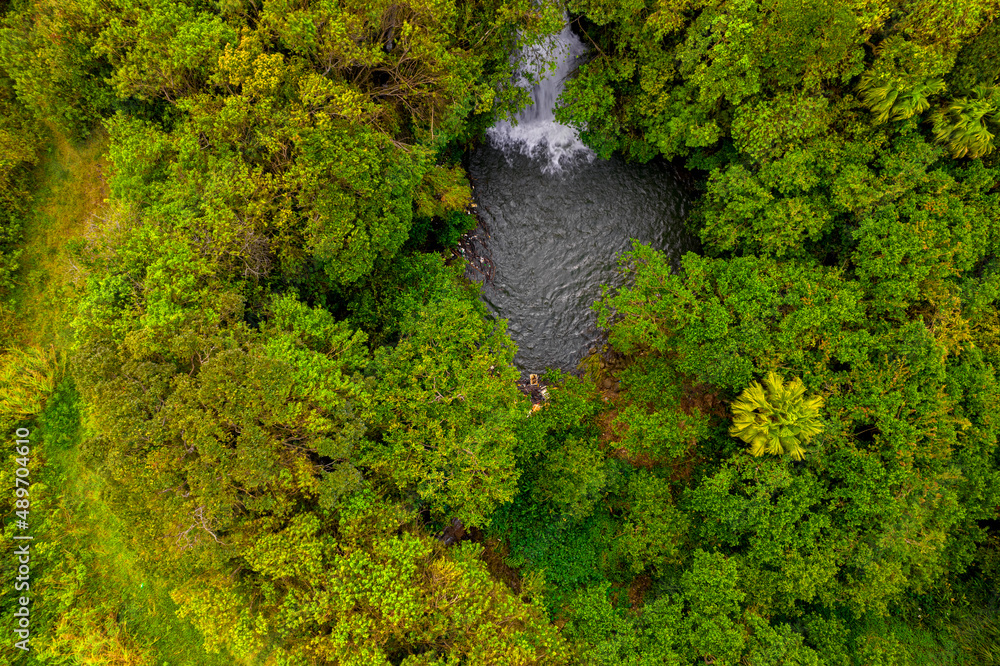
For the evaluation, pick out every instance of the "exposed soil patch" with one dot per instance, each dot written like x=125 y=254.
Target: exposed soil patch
x=637 y=590
x=453 y=533
x=605 y=368
x=681 y=469
x=493 y=555
x=534 y=389
x=611 y=432
x=705 y=399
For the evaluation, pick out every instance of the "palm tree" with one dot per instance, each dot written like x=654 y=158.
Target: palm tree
x=891 y=100
x=962 y=125
x=777 y=421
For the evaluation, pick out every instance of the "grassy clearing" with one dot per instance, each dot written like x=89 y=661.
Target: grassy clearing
x=978 y=633
x=71 y=191
x=141 y=600
x=111 y=610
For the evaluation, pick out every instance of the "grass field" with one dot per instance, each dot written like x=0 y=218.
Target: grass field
x=138 y=599
x=100 y=605
x=70 y=191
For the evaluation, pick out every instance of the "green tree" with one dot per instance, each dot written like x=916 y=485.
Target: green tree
x=19 y=146
x=446 y=408
x=366 y=587
x=45 y=48
x=963 y=125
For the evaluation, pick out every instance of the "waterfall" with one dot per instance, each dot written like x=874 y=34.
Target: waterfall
x=553 y=241
x=536 y=133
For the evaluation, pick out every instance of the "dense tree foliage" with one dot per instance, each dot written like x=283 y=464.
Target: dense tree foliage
x=844 y=245
x=19 y=140
x=308 y=424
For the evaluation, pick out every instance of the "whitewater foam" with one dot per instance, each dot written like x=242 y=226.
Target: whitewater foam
x=536 y=133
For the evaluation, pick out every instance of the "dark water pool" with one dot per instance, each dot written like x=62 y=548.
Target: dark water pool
x=555 y=237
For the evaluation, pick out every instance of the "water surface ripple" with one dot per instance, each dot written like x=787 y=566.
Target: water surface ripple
x=555 y=236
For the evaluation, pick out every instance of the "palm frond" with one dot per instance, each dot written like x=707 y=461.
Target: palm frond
x=778 y=421
x=895 y=99
x=962 y=125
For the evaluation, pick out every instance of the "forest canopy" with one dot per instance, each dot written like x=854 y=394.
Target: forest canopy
x=303 y=427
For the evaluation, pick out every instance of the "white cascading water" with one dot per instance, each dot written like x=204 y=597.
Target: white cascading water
x=536 y=132
x=551 y=236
